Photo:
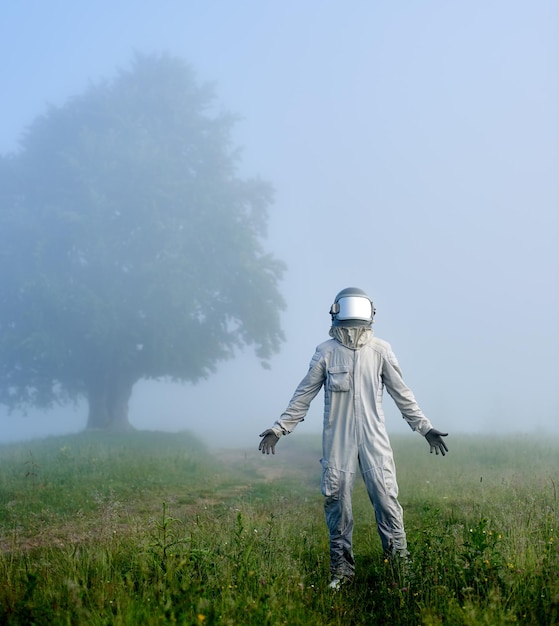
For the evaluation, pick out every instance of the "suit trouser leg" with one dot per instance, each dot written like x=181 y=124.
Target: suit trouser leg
x=339 y=519
x=383 y=493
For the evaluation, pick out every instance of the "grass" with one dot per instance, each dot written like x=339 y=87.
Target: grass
x=152 y=528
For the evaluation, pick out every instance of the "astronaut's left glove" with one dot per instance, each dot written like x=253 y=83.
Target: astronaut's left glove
x=269 y=440
x=434 y=438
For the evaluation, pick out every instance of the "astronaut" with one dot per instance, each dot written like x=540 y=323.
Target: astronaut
x=354 y=367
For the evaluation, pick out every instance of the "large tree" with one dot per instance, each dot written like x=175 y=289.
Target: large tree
x=130 y=248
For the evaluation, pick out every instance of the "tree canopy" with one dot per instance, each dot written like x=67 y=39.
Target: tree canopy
x=130 y=247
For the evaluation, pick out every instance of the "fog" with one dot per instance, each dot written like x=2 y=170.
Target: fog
x=414 y=149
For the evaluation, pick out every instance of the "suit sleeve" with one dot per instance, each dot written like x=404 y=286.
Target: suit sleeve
x=402 y=395
x=305 y=393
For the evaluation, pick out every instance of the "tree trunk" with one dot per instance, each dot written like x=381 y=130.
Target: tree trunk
x=108 y=398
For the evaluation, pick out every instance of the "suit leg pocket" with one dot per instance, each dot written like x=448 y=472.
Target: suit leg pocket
x=330 y=480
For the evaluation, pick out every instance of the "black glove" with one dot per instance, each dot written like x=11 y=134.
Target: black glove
x=434 y=437
x=268 y=442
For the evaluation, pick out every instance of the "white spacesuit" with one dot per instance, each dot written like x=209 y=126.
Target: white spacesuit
x=354 y=367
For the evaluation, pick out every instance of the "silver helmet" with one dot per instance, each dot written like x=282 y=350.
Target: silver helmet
x=352 y=307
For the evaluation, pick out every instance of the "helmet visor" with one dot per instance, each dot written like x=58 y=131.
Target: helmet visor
x=355 y=308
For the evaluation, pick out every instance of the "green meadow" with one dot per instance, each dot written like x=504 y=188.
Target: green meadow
x=153 y=528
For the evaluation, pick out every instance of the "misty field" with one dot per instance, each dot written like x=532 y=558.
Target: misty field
x=152 y=528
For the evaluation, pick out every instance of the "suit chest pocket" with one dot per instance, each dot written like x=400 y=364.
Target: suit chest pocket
x=338 y=378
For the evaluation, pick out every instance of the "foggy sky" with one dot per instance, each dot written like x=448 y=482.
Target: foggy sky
x=414 y=149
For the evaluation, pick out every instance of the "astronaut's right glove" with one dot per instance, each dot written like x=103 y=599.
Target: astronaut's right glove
x=268 y=442
x=434 y=438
